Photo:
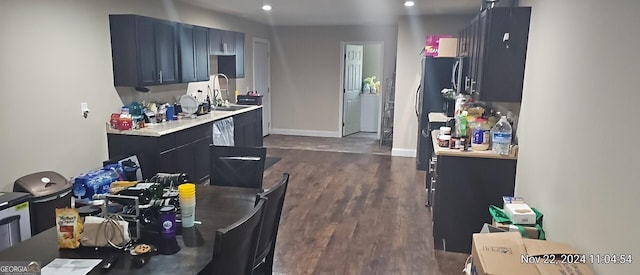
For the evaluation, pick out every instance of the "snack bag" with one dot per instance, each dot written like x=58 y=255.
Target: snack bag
x=69 y=227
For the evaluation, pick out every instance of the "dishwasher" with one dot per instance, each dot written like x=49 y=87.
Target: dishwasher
x=223 y=132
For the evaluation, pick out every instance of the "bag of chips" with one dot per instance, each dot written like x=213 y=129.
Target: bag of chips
x=69 y=227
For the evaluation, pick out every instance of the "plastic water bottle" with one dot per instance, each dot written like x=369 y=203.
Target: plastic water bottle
x=501 y=137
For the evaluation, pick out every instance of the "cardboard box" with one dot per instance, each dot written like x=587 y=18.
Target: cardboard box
x=530 y=231
x=432 y=44
x=520 y=213
x=507 y=253
x=509 y=200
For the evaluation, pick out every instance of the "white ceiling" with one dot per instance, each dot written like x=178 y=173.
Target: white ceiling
x=335 y=12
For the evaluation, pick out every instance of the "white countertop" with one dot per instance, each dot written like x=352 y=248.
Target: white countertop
x=440 y=151
x=165 y=128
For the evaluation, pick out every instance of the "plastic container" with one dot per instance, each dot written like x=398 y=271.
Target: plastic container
x=443 y=141
x=501 y=137
x=480 y=134
x=445 y=130
x=168 y=222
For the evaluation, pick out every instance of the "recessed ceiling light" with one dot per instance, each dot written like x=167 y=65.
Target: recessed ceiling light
x=266 y=7
x=409 y=3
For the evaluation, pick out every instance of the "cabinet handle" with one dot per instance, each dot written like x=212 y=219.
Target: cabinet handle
x=473 y=82
x=466 y=82
x=160 y=76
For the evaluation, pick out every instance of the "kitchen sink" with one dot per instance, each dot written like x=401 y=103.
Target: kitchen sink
x=231 y=108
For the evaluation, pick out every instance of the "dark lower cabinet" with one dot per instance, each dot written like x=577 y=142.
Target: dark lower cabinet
x=202 y=159
x=248 y=129
x=185 y=151
x=462 y=190
x=166 y=162
x=185 y=161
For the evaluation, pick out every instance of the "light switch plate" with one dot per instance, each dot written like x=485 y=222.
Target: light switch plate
x=84 y=109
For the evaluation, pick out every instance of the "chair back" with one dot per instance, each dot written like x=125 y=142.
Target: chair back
x=271 y=221
x=234 y=248
x=237 y=166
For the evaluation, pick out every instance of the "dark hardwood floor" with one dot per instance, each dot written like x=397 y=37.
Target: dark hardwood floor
x=351 y=213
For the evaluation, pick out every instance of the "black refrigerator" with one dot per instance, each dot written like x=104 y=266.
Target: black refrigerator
x=436 y=75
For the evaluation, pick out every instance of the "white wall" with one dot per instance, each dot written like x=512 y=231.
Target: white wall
x=412 y=33
x=305 y=73
x=578 y=125
x=56 y=54
x=372 y=62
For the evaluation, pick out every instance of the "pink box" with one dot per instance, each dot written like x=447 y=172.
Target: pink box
x=433 y=42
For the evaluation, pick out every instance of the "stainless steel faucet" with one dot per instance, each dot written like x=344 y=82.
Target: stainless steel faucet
x=226 y=89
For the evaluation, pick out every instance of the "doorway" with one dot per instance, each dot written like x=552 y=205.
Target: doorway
x=361 y=89
x=262 y=79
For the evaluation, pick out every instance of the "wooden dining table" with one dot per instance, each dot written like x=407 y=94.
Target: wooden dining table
x=216 y=207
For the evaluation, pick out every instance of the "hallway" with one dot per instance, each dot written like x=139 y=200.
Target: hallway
x=355 y=214
x=356 y=143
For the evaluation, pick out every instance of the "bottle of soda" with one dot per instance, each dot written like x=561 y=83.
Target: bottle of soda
x=501 y=137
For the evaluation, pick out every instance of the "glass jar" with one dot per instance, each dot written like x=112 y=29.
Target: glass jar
x=480 y=134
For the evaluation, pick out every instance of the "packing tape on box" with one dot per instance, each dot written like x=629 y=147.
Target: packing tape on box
x=500 y=216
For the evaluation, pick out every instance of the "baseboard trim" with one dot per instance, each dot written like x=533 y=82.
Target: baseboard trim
x=400 y=152
x=306 y=133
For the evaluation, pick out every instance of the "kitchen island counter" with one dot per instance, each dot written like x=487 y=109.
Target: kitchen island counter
x=182 y=146
x=169 y=127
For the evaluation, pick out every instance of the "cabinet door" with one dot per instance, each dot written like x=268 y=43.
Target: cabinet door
x=166 y=162
x=215 y=42
x=506 y=38
x=233 y=66
x=257 y=125
x=228 y=42
x=201 y=159
x=148 y=74
x=185 y=160
x=474 y=55
x=187 y=53
x=239 y=45
x=166 y=51
x=201 y=46
x=482 y=47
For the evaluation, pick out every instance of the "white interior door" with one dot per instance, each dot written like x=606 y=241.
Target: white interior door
x=261 y=80
x=352 y=88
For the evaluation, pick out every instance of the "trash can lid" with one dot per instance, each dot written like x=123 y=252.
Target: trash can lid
x=42 y=184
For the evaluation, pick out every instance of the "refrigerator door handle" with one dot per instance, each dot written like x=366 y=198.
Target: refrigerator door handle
x=454 y=75
x=416 y=104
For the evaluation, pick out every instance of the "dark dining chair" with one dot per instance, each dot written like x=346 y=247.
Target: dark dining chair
x=237 y=166
x=234 y=248
x=263 y=263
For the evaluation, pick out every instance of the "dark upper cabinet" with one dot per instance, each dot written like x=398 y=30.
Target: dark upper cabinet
x=144 y=50
x=215 y=39
x=495 y=43
x=233 y=66
x=194 y=53
x=228 y=42
x=187 y=53
x=201 y=41
x=221 y=42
